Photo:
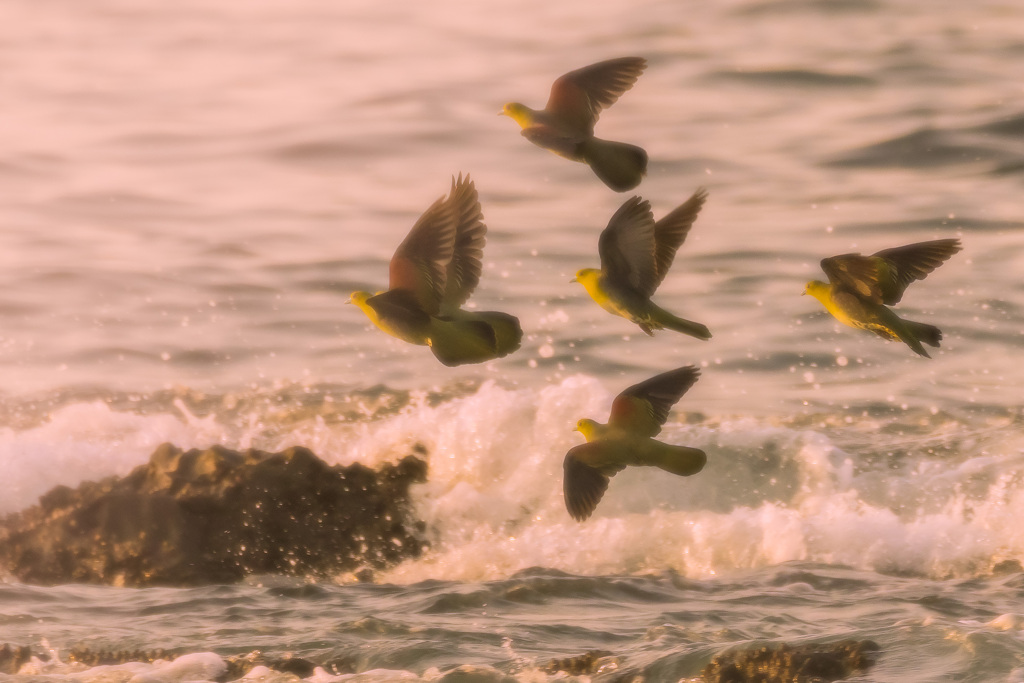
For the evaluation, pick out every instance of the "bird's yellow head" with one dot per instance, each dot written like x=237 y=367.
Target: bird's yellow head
x=519 y=113
x=587 y=277
x=586 y=427
x=359 y=298
x=819 y=290
x=590 y=278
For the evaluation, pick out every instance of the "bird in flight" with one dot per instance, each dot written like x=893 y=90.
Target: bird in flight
x=637 y=416
x=636 y=252
x=860 y=289
x=432 y=274
x=565 y=125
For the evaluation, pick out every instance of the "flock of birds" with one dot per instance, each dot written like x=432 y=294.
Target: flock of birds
x=438 y=265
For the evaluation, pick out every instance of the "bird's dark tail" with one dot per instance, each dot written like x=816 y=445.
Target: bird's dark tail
x=915 y=333
x=929 y=334
x=619 y=165
x=681 y=460
x=662 y=319
x=508 y=333
x=474 y=337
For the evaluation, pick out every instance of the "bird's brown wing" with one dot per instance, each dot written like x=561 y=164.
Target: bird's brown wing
x=582 y=485
x=670 y=232
x=626 y=247
x=578 y=97
x=643 y=408
x=903 y=265
x=420 y=264
x=463 y=273
x=883 y=277
x=854 y=273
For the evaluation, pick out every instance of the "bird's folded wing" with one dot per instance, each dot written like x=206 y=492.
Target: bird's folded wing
x=578 y=97
x=582 y=485
x=626 y=247
x=643 y=408
x=670 y=232
x=463 y=273
x=855 y=273
x=420 y=263
x=401 y=311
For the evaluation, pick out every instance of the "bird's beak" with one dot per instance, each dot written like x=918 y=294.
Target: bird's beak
x=574 y=280
x=803 y=293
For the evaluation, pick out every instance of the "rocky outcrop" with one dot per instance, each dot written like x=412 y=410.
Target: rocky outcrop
x=792 y=663
x=216 y=516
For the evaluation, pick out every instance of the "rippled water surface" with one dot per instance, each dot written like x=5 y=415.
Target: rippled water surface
x=189 y=192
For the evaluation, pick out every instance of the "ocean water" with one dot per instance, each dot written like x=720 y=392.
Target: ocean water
x=189 y=192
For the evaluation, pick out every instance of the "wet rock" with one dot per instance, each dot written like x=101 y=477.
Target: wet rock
x=240 y=665
x=585 y=664
x=215 y=516
x=469 y=673
x=1007 y=567
x=792 y=664
x=12 y=658
x=104 y=657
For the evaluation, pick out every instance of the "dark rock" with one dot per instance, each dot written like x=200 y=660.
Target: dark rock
x=12 y=658
x=792 y=664
x=585 y=664
x=1007 y=567
x=303 y=668
x=103 y=657
x=215 y=516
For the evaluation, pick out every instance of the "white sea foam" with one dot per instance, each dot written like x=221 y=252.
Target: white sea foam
x=771 y=492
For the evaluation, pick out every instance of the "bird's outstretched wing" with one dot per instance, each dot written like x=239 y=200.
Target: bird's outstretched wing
x=906 y=264
x=883 y=277
x=643 y=408
x=420 y=264
x=670 y=232
x=627 y=246
x=463 y=273
x=582 y=485
x=578 y=97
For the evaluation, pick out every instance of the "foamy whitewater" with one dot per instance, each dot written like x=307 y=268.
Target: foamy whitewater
x=191 y=191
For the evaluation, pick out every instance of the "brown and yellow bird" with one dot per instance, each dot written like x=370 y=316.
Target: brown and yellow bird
x=432 y=274
x=637 y=416
x=636 y=252
x=860 y=289
x=565 y=125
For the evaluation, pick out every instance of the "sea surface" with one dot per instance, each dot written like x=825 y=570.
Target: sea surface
x=190 y=190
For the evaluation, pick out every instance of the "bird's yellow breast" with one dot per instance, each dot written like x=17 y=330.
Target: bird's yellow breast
x=823 y=293
x=361 y=299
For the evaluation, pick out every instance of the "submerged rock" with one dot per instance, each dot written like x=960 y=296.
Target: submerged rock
x=792 y=663
x=216 y=516
x=11 y=658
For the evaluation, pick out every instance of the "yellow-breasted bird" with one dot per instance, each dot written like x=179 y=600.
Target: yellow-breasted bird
x=566 y=124
x=860 y=289
x=432 y=273
x=636 y=253
x=628 y=439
